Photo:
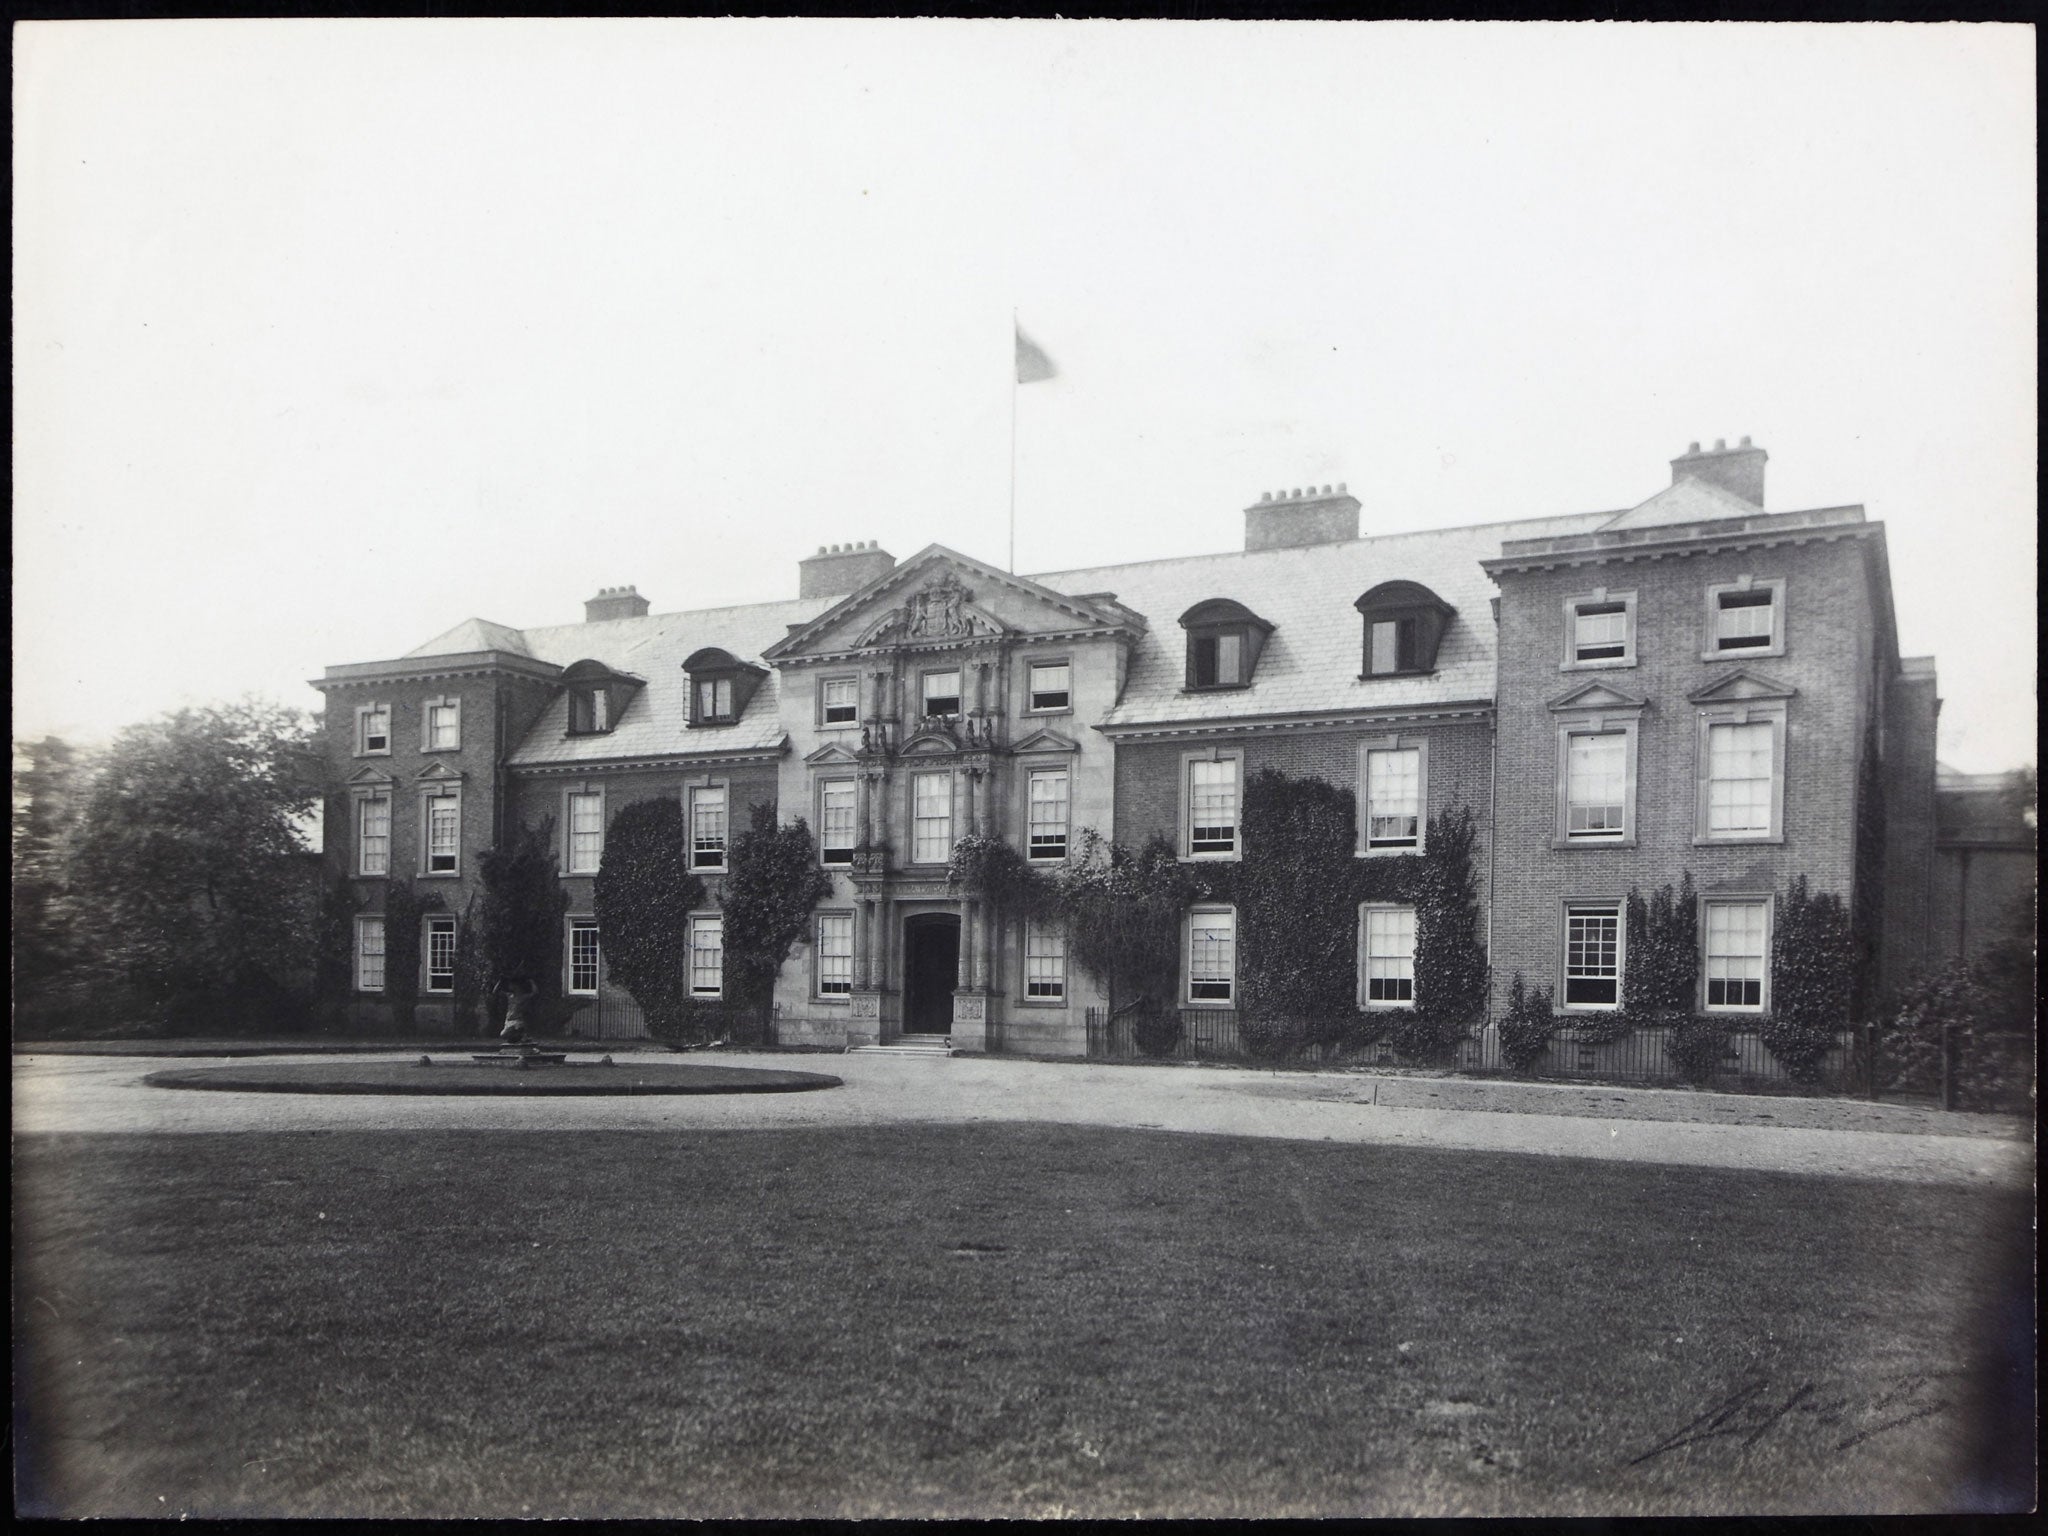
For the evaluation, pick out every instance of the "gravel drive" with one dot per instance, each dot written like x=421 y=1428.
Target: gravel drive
x=1812 y=1136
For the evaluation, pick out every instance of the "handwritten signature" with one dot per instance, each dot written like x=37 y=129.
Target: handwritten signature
x=1752 y=1411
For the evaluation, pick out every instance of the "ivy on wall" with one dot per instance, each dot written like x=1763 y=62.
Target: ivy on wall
x=1450 y=964
x=519 y=912
x=403 y=909
x=1660 y=967
x=644 y=893
x=1867 y=919
x=1297 y=935
x=1123 y=909
x=772 y=883
x=1526 y=1028
x=1813 y=978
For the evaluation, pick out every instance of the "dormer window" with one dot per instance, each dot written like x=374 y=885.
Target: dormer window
x=1404 y=621
x=1224 y=642
x=598 y=696
x=720 y=686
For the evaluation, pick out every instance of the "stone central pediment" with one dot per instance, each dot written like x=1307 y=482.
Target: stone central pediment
x=940 y=597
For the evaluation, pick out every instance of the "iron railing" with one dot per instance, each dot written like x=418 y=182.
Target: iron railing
x=1642 y=1055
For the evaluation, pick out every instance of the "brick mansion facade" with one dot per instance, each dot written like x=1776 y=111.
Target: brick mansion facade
x=1692 y=685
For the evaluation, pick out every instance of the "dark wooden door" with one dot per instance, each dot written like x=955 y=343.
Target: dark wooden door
x=931 y=969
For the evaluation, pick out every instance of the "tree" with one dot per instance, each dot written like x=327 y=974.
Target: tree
x=186 y=867
x=644 y=894
x=519 y=912
x=46 y=775
x=771 y=886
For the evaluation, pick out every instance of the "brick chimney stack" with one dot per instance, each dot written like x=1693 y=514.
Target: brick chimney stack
x=1738 y=470
x=1286 y=520
x=842 y=569
x=614 y=603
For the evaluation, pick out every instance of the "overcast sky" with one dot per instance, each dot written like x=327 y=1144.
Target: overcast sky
x=330 y=334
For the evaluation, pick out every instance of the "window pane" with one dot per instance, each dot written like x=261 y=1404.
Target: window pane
x=707 y=827
x=1592 y=956
x=1742 y=620
x=1385 y=655
x=835 y=955
x=582 y=956
x=1393 y=798
x=1390 y=955
x=1596 y=792
x=1202 y=660
x=1045 y=960
x=707 y=956
x=1739 y=778
x=1735 y=954
x=1049 y=685
x=374 y=839
x=1048 y=815
x=942 y=693
x=1212 y=956
x=836 y=832
x=444 y=831
x=1230 y=658
x=600 y=710
x=931 y=838
x=370 y=954
x=442 y=730
x=586 y=833
x=440 y=954
x=376 y=728
x=1599 y=631
x=1212 y=807
x=841 y=699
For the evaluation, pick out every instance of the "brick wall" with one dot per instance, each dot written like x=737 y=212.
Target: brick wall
x=1830 y=634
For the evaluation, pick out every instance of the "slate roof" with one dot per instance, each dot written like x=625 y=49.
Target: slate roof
x=1312 y=659
x=473 y=635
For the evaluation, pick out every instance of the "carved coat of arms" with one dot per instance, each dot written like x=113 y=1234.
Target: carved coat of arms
x=938 y=612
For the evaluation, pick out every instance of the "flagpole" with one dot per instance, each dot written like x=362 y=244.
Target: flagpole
x=1013 y=442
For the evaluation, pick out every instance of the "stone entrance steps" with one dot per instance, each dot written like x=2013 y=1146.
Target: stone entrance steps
x=908 y=1045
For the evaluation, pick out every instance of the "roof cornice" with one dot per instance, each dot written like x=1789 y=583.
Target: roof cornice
x=421 y=668
x=1321 y=720
x=1627 y=545
x=666 y=760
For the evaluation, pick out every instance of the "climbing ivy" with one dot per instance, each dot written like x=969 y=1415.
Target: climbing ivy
x=1660 y=962
x=1123 y=910
x=773 y=882
x=1297 y=949
x=644 y=893
x=1813 y=978
x=1450 y=966
x=1526 y=1028
x=403 y=909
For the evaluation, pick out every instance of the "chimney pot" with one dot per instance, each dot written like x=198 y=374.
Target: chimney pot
x=1341 y=491
x=839 y=569
x=1738 y=471
x=1275 y=521
x=614 y=603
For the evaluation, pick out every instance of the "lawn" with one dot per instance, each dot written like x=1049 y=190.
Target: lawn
x=994 y=1320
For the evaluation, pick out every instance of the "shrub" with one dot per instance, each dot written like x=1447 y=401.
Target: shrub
x=1697 y=1045
x=1800 y=1047
x=1990 y=1069
x=1273 y=1037
x=1526 y=1028
x=403 y=909
x=1424 y=1040
x=1155 y=1033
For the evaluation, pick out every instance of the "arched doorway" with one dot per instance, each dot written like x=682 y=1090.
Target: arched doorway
x=931 y=970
